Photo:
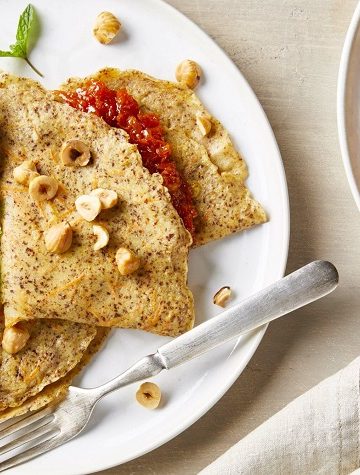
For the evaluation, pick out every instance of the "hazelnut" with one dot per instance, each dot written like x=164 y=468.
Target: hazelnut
x=188 y=72
x=14 y=339
x=222 y=296
x=58 y=238
x=203 y=124
x=75 y=153
x=102 y=235
x=126 y=261
x=25 y=172
x=43 y=188
x=106 y=27
x=88 y=207
x=149 y=395
x=29 y=164
x=108 y=198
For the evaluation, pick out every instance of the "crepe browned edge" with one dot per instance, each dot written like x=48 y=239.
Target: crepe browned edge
x=83 y=284
x=54 y=348
x=55 y=392
x=211 y=165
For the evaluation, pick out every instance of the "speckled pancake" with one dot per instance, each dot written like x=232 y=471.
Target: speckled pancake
x=57 y=390
x=84 y=285
x=54 y=348
x=210 y=164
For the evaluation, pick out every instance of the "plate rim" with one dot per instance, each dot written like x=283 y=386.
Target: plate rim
x=258 y=334
x=341 y=101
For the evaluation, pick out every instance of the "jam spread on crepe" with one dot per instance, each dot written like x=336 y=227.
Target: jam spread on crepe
x=120 y=109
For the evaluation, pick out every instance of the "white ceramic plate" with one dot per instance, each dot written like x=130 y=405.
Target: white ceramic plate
x=155 y=38
x=348 y=105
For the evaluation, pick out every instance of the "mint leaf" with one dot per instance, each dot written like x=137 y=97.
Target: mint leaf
x=17 y=51
x=23 y=30
x=20 y=48
x=6 y=54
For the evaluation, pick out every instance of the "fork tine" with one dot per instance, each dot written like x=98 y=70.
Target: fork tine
x=25 y=421
x=47 y=429
x=30 y=453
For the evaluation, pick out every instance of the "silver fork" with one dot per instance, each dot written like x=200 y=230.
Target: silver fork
x=53 y=426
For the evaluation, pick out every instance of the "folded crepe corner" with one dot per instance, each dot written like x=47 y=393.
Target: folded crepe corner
x=29 y=391
x=210 y=164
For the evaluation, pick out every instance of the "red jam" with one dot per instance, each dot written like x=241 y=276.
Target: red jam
x=120 y=109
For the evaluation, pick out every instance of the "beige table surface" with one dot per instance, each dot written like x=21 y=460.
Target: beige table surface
x=289 y=50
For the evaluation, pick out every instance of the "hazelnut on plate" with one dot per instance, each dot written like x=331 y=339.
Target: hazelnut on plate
x=222 y=296
x=58 y=238
x=108 y=198
x=88 y=206
x=188 y=72
x=25 y=172
x=75 y=153
x=106 y=27
x=14 y=339
x=149 y=395
x=126 y=261
x=102 y=235
x=42 y=188
x=204 y=125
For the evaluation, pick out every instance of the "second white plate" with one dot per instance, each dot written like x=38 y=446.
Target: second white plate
x=348 y=105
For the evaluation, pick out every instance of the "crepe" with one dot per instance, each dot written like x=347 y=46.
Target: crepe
x=57 y=390
x=54 y=348
x=84 y=285
x=210 y=165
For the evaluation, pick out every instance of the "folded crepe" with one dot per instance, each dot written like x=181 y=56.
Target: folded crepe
x=210 y=164
x=84 y=285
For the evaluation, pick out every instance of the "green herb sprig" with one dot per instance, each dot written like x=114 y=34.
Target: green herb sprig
x=21 y=48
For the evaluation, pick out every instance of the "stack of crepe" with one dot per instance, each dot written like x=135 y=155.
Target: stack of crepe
x=68 y=302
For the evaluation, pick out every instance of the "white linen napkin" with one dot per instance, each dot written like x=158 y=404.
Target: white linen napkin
x=317 y=433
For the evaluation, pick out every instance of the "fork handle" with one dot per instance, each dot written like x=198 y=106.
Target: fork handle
x=303 y=286
x=300 y=288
